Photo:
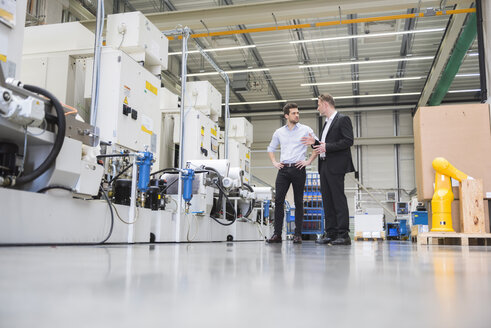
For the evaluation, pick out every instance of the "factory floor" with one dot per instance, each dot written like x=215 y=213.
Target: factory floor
x=246 y=284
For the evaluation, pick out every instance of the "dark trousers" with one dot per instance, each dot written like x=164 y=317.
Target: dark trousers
x=336 y=211
x=285 y=177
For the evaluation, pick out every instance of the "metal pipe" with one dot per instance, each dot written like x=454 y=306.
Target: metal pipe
x=227 y=110
x=396 y=155
x=185 y=32
x=131 y=214
x=227 y=93
x=330 y=23
x=97 y=62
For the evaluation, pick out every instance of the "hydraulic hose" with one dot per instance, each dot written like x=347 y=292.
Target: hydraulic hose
x=59 y=139
x=253 y=202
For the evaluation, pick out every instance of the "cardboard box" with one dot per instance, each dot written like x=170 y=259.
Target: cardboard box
x=459 y=133
x=456 y=216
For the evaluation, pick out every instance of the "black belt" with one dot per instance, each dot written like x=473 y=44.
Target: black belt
x=289 y=164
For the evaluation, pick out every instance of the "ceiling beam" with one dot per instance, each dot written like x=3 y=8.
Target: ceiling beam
x=284 y=10
x=305 y=58
x=444 y=51
x=353 y=52
x=406 y=44
x=78 y=10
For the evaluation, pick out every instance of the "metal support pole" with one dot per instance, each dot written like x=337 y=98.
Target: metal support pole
x=227 y=110
x=227 y=93
x=396 y=156
x=131 y=214
x=97 y=63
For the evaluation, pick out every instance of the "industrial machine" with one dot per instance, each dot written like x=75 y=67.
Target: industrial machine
x=65 y=181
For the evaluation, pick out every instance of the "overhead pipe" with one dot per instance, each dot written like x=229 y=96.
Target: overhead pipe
x=96 y=69
x=330 y=23
x=455 y=61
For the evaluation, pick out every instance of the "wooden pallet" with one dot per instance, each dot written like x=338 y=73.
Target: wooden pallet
x=369 y=239
x=359 y=237
x=454 y=238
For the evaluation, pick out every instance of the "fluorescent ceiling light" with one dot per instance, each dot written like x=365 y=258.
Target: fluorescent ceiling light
x=472 y=54
x=461 y=91
x=467 y=75
x=213 y=50
x=257 y=102
x=230 y=72
x=375 y=35
x=380 y=95
x=377 y=61
x=349 y=97
x=338 y=97
x=363 y=81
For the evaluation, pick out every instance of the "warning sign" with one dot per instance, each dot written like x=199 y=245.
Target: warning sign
x=125 y=100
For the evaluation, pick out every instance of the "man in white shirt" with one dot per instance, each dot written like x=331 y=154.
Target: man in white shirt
x=291 y=169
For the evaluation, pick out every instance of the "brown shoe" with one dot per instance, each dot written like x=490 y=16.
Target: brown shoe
x=274 y=239
x=297 y=239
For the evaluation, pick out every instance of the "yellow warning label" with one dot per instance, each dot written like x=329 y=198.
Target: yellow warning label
x=125 y=100
x=214 y=132
x=3 y=58
x=6 y=15
x=151 y=88
x=144 y=129
x=202 y=130
x=248 y=156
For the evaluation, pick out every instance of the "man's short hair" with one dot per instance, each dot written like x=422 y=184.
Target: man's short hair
x=328 y=99
x=287 y=107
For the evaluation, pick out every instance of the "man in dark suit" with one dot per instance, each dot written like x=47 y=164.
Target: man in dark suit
x=334 y=162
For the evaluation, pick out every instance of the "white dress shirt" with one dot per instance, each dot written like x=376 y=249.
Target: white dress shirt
x=292 y=149
x=326 y=129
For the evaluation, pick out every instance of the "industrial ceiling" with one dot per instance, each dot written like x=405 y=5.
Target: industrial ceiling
x=366 y=54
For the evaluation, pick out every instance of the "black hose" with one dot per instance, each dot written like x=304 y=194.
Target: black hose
x=43 y=190
x=225 y=214
x=59 y=139
x=252 y=203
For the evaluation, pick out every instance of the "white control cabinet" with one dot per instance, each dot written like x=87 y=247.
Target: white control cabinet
x=200 y=135
x=239 y=155
x=203 y=96
x=129 y=104
x=137 y=36
x=241 y=130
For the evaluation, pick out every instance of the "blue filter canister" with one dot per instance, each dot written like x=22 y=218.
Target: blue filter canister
x=144 y=166
x=187 y=184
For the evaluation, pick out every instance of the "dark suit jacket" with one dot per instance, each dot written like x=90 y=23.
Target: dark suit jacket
x=338 y=141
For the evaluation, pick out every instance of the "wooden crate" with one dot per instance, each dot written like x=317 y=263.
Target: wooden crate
x=454 y=238
x=472 y=217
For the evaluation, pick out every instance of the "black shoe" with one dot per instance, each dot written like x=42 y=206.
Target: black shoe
x=297 y=239
x=342 y=241
x=274 y=239
x=324 y=240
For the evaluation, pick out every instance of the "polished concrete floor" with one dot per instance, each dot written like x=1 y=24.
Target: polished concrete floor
x=392 y=284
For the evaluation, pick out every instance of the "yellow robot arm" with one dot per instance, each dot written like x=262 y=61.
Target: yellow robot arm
x=442 y=166
x=441 y=204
